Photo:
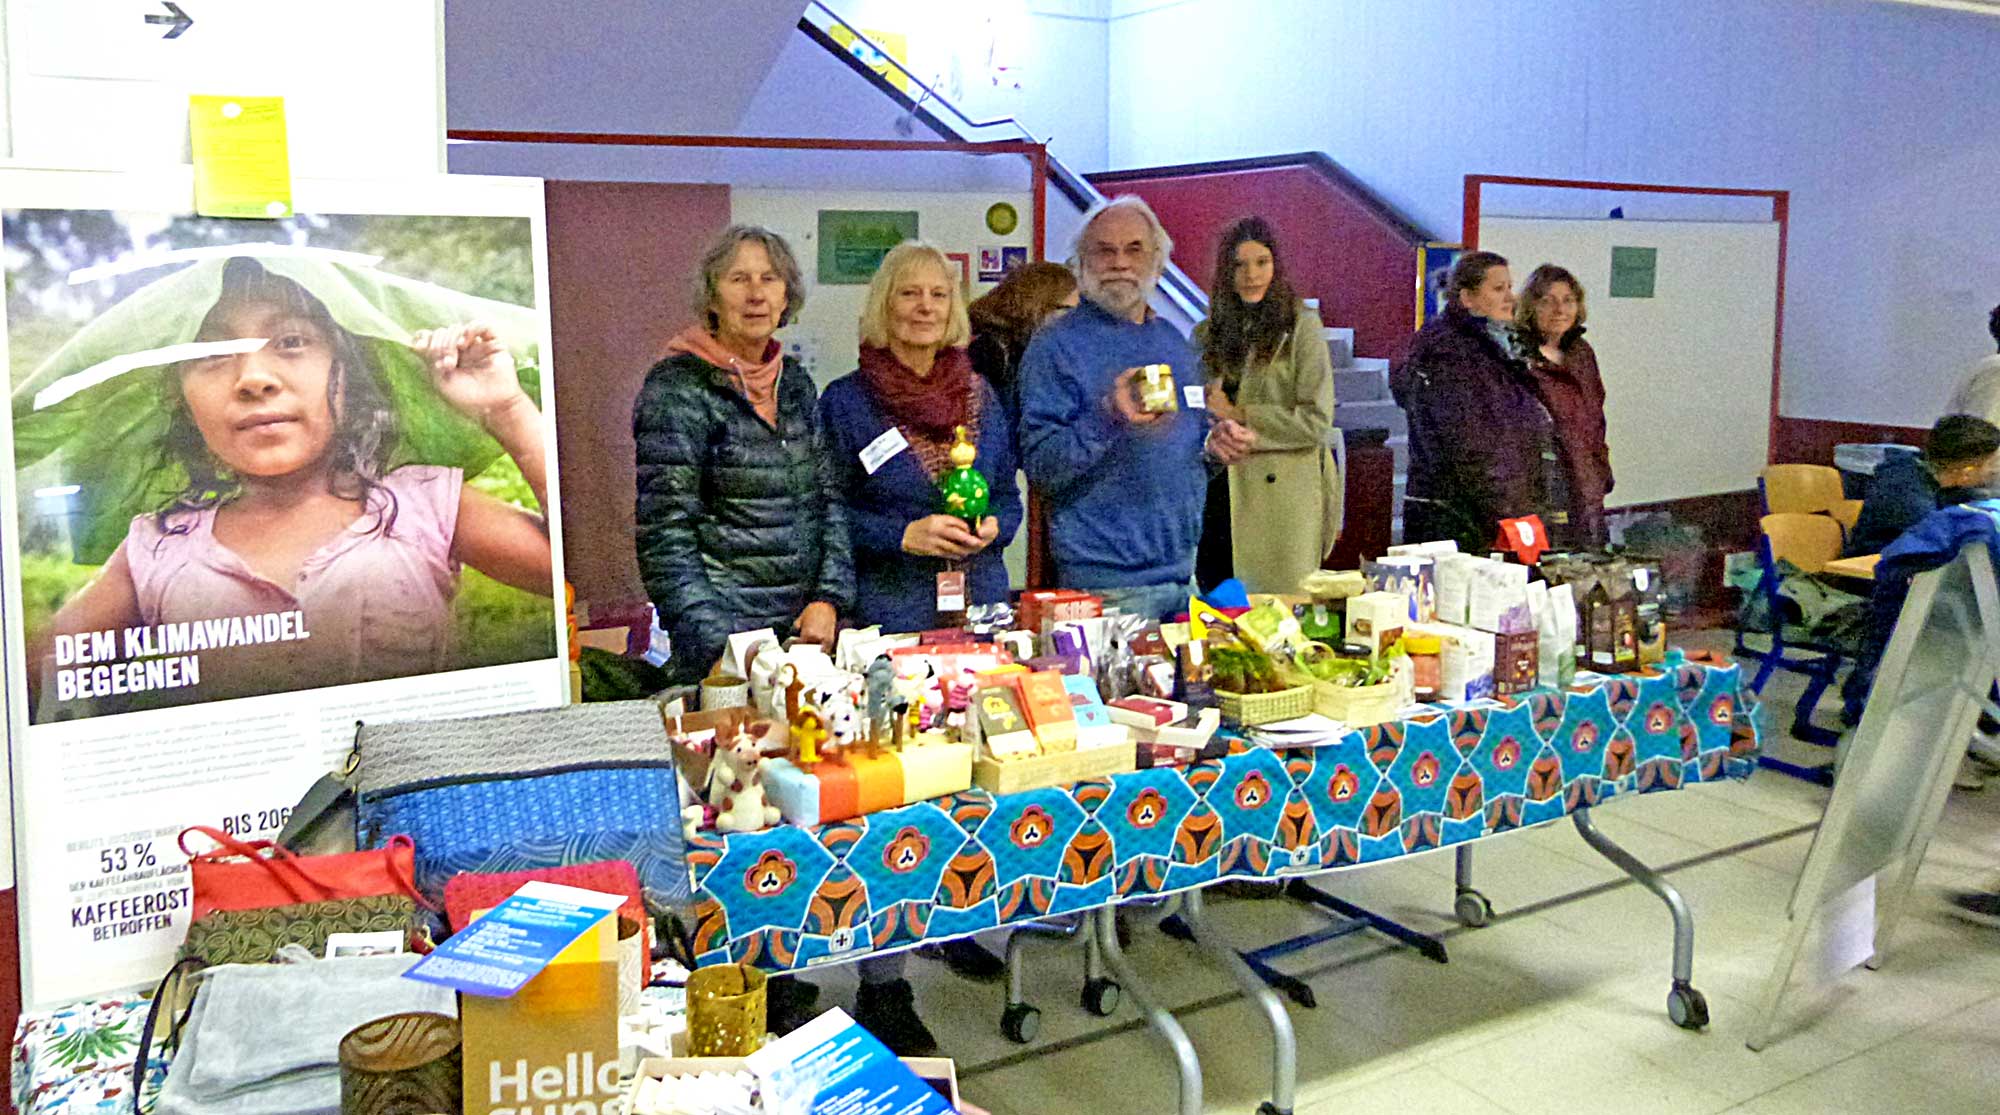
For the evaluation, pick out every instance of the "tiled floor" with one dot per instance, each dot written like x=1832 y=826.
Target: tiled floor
x=1558 y=1006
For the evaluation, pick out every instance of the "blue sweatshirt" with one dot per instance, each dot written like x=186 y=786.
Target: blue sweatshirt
x=1124 y=502
x=895 y=589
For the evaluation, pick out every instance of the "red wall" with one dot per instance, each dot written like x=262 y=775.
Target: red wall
x=622 y=260
x=1362 y=269
x=1811 y=440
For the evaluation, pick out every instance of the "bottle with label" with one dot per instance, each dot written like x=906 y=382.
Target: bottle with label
x=1600 y=641
x=1624 y=634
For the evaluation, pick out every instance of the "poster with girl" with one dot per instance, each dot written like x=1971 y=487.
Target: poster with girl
x=268 y=477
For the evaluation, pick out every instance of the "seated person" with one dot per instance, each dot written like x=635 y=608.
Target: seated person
x=1960 y=461
x=1958 y=464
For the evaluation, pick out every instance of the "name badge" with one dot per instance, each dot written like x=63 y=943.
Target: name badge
x=1197 y=398
x=882 y=448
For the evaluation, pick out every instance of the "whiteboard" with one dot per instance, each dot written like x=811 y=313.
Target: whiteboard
x=1687 y=372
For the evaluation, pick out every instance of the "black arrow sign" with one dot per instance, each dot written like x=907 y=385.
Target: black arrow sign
x=175 y=18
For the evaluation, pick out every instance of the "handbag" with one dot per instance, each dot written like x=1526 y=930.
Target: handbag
x=465 y=893
x=263 y=1039
x=525 y=790
x=246 y=875
x=254 y=936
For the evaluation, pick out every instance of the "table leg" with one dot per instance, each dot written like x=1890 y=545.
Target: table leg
x=1686 y=1006
x=1019 y=1020
x=1472 y=908
x=1284 y=1043
x=1104 y=924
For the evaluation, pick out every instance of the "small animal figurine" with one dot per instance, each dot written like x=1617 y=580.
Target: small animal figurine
x=736 y=778
x=808 y=732
x=843 y=721
x=881 y=695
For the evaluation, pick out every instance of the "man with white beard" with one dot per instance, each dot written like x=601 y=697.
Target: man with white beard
x=1124 y=486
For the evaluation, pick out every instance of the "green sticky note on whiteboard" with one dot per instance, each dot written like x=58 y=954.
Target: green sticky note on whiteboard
x=1633 y=271
x=242 y=167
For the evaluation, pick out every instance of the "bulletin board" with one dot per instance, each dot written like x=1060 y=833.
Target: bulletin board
x=1685 y=316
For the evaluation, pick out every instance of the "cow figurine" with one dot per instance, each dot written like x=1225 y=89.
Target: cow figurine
x=736 y=778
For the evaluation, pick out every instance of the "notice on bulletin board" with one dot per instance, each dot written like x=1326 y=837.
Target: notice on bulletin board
x=1634 y=271
x=263 y=478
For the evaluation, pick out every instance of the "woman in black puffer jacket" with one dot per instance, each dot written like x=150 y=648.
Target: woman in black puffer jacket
x=739 y=523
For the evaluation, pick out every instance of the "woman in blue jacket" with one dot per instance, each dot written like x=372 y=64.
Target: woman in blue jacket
x=889 y=431
x=890 y=427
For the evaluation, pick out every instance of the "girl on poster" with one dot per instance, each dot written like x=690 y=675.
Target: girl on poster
x=289 y=491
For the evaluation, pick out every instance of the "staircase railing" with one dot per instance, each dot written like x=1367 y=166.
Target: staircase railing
x=1181 y=296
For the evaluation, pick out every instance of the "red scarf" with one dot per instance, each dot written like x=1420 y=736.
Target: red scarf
x=929 y=406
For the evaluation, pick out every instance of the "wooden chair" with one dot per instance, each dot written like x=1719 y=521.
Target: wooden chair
x=1802 y=488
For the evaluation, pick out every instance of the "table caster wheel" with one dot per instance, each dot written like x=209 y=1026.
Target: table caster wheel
x=1472 y=909
x=1101 y=996
x=1687 y=1007
x=1269 y=1108
x=1019 y=1023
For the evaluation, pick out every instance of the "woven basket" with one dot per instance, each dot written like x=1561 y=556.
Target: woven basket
x=1251 y=709
x=1358 y=706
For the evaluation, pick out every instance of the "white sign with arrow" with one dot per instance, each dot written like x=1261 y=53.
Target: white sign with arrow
x=103 y=84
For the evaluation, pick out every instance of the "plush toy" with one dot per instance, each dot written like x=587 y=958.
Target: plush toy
x=881 y=698
x=736 y=779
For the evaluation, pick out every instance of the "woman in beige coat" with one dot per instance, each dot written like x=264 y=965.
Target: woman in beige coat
x=1272 y=518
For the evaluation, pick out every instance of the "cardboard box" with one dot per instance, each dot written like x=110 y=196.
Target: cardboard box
x=1376 y=620
x=1045 y=701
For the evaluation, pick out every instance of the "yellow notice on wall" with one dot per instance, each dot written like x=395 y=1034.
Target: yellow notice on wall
x=241 y=165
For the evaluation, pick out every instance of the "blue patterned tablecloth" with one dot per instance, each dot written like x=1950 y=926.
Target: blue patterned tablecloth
x=791 y=897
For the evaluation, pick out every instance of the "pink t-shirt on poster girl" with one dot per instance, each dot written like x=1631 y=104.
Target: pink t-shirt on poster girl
x=376 y=603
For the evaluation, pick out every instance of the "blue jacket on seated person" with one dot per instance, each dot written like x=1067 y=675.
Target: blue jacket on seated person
x=896 y=589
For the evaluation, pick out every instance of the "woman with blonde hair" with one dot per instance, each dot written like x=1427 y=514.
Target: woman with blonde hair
x=889 y=427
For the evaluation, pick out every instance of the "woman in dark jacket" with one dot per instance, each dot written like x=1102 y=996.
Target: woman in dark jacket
x=1564 y=368
x=889 y=430
x=890 y=427
x=1478 y=434
x=739 y=523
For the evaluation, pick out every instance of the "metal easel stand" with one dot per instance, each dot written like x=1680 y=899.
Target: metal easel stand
x=1350 y=919
x=1020 y=1021
x=1104 y=928
x=1923 y=708
x=1687 y=1007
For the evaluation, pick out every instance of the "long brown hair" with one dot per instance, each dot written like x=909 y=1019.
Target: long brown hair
x=1539 y=282
x=1023 y=300
x=1239 y=331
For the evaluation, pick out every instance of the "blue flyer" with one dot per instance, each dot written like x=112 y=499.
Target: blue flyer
x=831 y=1066
x=499 y=953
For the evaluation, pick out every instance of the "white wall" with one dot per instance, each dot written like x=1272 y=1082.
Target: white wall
x=955 y=222
x=93 y=86
x=1055 y=51
x=1878 y=117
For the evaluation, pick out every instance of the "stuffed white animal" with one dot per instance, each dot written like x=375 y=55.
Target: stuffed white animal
x=736 y=781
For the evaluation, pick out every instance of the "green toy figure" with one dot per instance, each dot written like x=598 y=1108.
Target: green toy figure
x=963 y=492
